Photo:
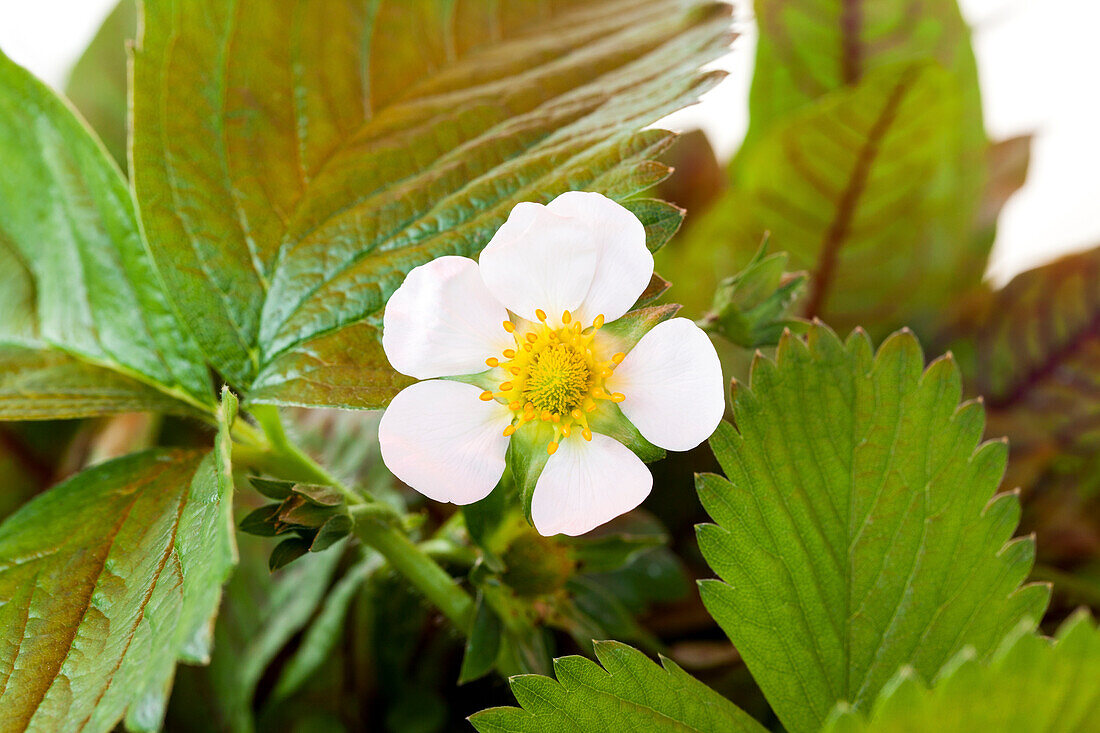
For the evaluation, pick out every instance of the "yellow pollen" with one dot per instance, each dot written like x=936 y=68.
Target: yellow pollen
x=554 y=376
x=486 y=396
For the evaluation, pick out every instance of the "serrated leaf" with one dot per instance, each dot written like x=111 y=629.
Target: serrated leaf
x=293 y=166
x=853 y=188
x=629 y=692
x=1031 y=684
x=97 y=83
x=858 y=530
x=260 y=614
x=47 y=384
x=72 y=252
x=105 y=581
x=1032 y=350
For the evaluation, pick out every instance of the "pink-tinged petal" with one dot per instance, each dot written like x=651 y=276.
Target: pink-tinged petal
x=586 y=484
x=442 y=440
x=443 y=322
x=672 y=381
x=539 y=260
x=624 y=264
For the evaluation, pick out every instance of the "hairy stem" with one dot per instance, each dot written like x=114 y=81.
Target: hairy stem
x=419 y=569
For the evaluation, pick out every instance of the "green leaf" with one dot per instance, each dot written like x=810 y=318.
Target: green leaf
x=482 y=644
x=46 y=384
x=105 y=581
x=326 y=630
x=1032 y=350
x=97 y=85
x=856 y=187
x=810 y=48
x=1031 y=684
x=260 y=614
x=293 y=165
x=858 y=530
x=72 y=257
x=630 y=692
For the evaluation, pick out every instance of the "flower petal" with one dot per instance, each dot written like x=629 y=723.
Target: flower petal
x=539 y=260
x=624 y=266
x=443 y=322
x=672 y=381
x=587 y=483
x=442 y=440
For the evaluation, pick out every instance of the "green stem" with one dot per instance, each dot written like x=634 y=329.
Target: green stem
x=418 y=568
x=290 y=457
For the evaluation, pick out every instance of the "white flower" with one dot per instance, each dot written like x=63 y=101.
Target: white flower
x=529 y=321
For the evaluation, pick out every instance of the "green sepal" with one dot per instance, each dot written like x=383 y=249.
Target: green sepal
x=287 y=552
x=272 y=488
x=621 y=335
x=609 y=420
x=261 y=522
x=527 y=456
x=331 y=532
x=751 y=308
x=611 y=552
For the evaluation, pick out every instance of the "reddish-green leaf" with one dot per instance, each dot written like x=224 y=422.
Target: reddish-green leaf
x=294 y=163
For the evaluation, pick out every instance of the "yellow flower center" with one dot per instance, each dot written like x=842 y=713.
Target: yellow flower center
x=554 y=376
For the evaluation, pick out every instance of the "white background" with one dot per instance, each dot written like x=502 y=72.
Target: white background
x=1039 y=62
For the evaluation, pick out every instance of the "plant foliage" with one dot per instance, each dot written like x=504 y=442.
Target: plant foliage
x=858 y=530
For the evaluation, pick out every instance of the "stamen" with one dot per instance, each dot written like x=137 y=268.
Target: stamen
x=618 y=358
x=566 y=317
x=511 y=354
x=509 y=430
x=532 y=337
x=505 y=386
x=598 y=321
x=509 y=327
x=492 y=361
x=618 y=397
x=540 y=314
x=514 y=405
x=485 y=396
x=586 y=434
x=551 y=447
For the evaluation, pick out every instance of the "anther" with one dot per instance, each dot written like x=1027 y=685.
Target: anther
x=505 y=386
x=515 y=370
x=598 y=321
x=509 y=430
x=556 y=417
x=618 y=358
x=618 y=397
x=514 y=405
x=540 y=314
x=545 y=416
x=551 y=447
x=532 y=337
x=509 y=327
x=486 y=396
x=492 y=361
x=606 y=373
x=511 y=354
x=566 y=430
x=586 y=434
x=566 y=317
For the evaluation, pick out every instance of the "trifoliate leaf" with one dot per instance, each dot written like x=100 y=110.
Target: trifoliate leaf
x=629 y=692
x=293 y=165
x=1032 y=684
x=858 y=529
